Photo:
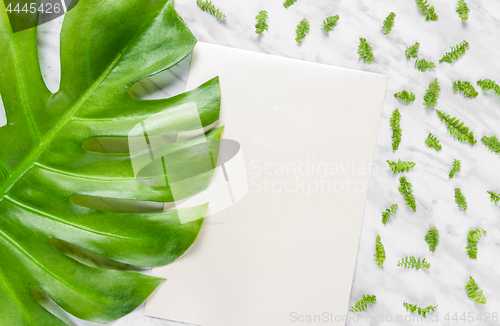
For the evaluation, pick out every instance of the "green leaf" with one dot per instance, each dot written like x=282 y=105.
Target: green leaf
x=431 y=95
x=492 y=143
x=302 y=30
x=494 y=197
x=432 y=238
x=65 y=207
x=261 y=25
x=456 y=52
x=330 y=22
x=288 y=3
x=427 y=10
x=460 y=200
x=462 y=10
x=472 y=240
x=405 y=96
x=423 y=65
x=388 y=213
x=488 y=84
x=457 y=128
x=474 y=293
x=421 y=311
x=407 y=192
x=455 y=168
x=412 y=51
x=362 y=303
x=209 y=7
x=395 y=123
x=432 y=142
x=365 y=51
x=401 y=166
x=388 y=23
x=379 y=252
x=412 y=262
x=465 y=88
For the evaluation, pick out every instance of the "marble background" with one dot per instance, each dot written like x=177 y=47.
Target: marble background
x=443 y=284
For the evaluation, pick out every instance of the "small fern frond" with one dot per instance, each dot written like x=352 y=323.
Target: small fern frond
x=456 y=52
x=457 y=129
x=474 y=293
x=261 y=25
x=397 y=133
x=386 y=215
x=365 y=51
x=302 y=30
x=405 y=96
x=431 y=94
x=388 y=23
x=455 y=168
x=422 y=65
x=472 y=240
x=330 y=22
x=432 y=142
x=412 y=51
x=209 y=7
x=465 y=88
x=460 y=199
x=488 y=84
x=407 y=192
x=362 y=303
x=427 y=10
x=492 y=143
x=401 y=166
x=462 y=10
x=288 y=3
x=421 y=311
x=494 y=197
x=412 y=262
x=379 y=252
x=432 y=238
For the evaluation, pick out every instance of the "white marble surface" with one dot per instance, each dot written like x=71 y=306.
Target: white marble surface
x=443 y=284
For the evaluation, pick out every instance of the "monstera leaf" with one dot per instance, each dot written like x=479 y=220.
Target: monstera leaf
x=74 y=217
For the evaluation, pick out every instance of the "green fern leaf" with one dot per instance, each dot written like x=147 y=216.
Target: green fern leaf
x=407 y=192
x=379 y=252
x=472 y=240
x=288 y=3
x=462 y=10
x=362 y=303
x=421 y=311
x=401 y=166
x=460 y=199
x=432 y=238
x=465 y=88
x=412 y=50
x=209 y=7
x=330 y=22
x=386 y=215
x=494 y=197
x=456 y=52
x=492 y=143
x=432 y=142
x=488 y=84
x=397 y=133
x=302 y=30
x=261 y=25
x=423 y=65
x=474 y=293
x=388 y=23
x=412 y=262
x=365 y=51
x=431 y=95
x=455 y=168
x=427 y=10
x=457 y=129
x=405 y=96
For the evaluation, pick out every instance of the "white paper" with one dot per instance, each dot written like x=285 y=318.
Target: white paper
x=288 y=248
